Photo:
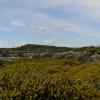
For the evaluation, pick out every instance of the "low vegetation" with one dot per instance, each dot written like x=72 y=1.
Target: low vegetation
x=49 y=79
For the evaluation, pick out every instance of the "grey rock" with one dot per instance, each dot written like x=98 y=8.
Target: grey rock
x=95 y=58
x=44 y=55
x=59 y=55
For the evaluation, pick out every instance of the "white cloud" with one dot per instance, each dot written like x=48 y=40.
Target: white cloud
x=18 y=24
x=53 y=3
x=50 y=25
x=87 y=8
x=90 y=8
x=72 y=27
x=55 y=25
x=80 y=42
x=4 y=44
x=4 y=29
x=42 y=29
x=50 y=41
x=44 y=21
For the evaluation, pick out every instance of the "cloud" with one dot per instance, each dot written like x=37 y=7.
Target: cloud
x=44 y=30
x=48 y=25
x=88 y=8
x=4 y=44
x=50 y=42
x=52 y=16
x=72 y=27
x=4 y=29
x=18 y=24
x=59 y=25
x=53 y=3
x=41 y=29
x=80 y=42
x=53 y=41
x=32 y=14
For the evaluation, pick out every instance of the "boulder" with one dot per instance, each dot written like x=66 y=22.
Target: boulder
x=59 y=55
x=46 y=55
x=35 y=55
x=95 y=58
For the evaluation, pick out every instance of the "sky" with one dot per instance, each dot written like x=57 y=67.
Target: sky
x=69 y=23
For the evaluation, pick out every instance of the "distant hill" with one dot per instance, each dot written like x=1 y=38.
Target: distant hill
x=46 y=48
x=41 y=48
x=35 y=48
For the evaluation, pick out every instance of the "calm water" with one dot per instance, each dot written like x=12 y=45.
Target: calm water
x=7 y=58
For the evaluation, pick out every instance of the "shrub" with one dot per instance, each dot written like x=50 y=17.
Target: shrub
x=44 y=79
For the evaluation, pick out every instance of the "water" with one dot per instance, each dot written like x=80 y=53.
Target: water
x=7 y=58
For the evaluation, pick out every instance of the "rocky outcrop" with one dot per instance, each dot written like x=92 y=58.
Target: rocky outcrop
x=59 y=55
x=95 y=58
x=84 y=57
x=32 y=55
x=46 y=55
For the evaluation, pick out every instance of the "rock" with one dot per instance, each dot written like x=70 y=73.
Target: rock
x=35 y=55
x=95 y=58
x=44 y=55
x=73 y=55
x=32 y=55
x=59 y=55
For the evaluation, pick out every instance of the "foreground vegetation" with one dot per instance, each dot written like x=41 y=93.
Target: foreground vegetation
x=49 y=79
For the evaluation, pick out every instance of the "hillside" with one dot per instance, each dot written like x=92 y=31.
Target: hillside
x=43 y=48
x=84 y=54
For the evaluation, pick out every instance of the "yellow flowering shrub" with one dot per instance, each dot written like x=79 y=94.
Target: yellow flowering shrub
x=49 y=79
